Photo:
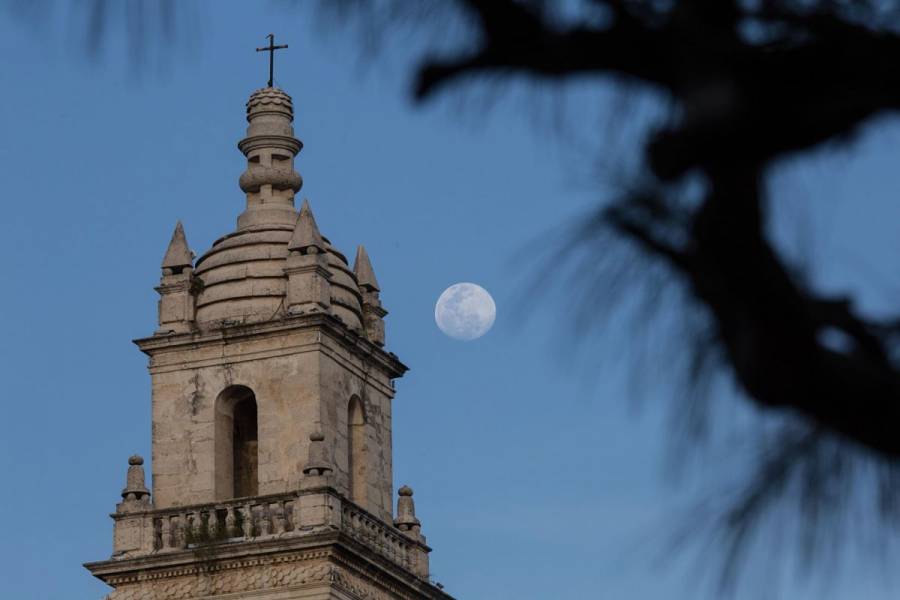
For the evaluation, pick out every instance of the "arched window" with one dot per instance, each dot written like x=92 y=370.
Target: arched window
x=236 y=444
x=356 y=437
x=245 y=448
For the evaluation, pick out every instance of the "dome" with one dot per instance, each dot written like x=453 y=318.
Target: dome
x=276 y=264
x=243 y=279
x=270 y=99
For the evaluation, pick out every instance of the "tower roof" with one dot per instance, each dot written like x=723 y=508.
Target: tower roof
x=243 y=273
x=244 y=281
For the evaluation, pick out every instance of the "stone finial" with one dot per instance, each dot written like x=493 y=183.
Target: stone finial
x=306 y=238
x=178 y=255
x=318 y=463
x=135 y=496
x=308 y=288
x=270 y=100
x=362 y=268
x=373 y=312
x=176 y=298
x=406 y=520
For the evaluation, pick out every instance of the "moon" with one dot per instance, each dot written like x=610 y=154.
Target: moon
x=465 y=311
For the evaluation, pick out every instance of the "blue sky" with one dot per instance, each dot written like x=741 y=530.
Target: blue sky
x=540 y=470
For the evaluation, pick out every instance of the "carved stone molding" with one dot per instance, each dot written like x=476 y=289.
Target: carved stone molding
x=200 y=565
x=278 y=178
x=216 y=583
x=357 y=586
x=251 y=579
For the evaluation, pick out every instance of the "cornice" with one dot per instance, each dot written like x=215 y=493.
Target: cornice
x=356 y=564
x=326 y=324
x=215 y=558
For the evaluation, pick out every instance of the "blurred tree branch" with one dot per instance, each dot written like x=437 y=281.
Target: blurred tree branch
x=742 y=105
x=750 y=83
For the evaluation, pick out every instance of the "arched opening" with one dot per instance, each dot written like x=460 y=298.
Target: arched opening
x=245 y=444
x=356 y=438
x=236 y=444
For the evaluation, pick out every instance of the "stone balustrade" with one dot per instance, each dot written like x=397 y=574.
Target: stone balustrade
x=149 y=531
x=258 y=518
x=385 y=540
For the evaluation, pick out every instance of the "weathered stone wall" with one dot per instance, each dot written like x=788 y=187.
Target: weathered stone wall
x=302 y=380
x=342 y=379
x=282 y=373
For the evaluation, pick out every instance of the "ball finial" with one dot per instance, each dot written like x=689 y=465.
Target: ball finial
x=135 y=460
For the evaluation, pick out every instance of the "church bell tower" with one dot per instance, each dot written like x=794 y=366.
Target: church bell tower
x=271 y=404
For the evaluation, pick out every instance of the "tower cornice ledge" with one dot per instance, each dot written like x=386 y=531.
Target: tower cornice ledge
x=316 y=561
x=325 y=324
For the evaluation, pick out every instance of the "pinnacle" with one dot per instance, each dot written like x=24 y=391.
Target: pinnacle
x=306 y=232
x=178 y=255
x=365 y=275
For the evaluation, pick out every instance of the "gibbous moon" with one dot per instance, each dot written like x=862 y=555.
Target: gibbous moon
x=465 y=311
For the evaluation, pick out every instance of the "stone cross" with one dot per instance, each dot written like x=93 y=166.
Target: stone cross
x=271 y=48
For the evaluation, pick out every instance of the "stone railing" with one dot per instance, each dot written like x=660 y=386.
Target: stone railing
x=143 y=531
x=193 y=526
x=387 y=541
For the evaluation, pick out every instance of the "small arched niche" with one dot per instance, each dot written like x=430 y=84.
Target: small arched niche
x=356 y=452
x=236 y=443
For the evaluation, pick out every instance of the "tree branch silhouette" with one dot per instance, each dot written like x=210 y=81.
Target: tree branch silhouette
x=743 y=104
x=749 y=84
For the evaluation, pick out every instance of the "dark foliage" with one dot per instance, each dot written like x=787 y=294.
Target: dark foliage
x=749 y=83
x=816 y=74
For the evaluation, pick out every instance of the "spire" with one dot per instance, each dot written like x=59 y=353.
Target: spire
x=270 y=180
x=306 y=232
x=365 y=275
x=308 y=288
x=373 y=312
x=178 y=255
x=176 y=300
